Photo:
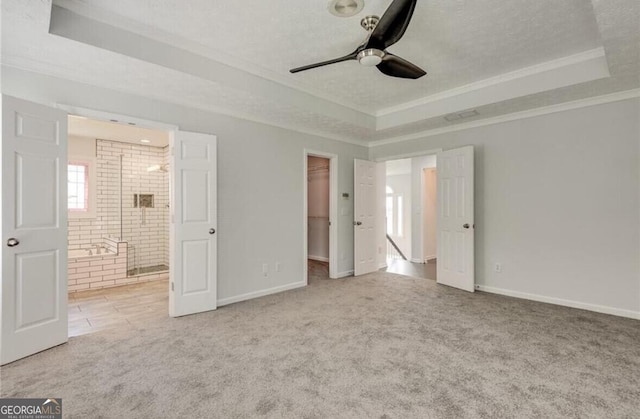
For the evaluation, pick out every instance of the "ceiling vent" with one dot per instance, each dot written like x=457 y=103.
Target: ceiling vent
x=461 y=115
x=345 y=8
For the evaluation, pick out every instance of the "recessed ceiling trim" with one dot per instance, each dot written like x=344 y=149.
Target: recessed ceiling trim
x=545 y=110
x=141 y=29
x=579 y=68
x=100 y=115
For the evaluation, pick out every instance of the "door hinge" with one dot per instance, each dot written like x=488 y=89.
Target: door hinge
x=172 y=286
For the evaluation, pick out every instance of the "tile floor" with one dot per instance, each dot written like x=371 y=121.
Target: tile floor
x=126 y=306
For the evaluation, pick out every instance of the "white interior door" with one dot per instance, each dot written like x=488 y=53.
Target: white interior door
x=455 y=218
x=365 y=245
x=193 y=265
x=34 y=229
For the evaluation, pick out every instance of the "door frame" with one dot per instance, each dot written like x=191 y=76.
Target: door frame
x=138 y=122
x=333 y=212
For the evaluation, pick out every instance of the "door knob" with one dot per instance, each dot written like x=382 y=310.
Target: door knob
x=12 y=242
x=357 y=223
x=212 y=231
x=465 y=225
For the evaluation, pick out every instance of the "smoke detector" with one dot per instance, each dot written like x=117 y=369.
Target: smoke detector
x=345 y=8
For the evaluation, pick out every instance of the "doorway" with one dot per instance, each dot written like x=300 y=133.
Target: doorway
x=118 y=224
x=410 y=216
x=320 y=215
x=35 y=305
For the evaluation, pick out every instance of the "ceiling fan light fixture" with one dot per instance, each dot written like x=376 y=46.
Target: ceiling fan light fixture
x=370 y=57
x=345 y=8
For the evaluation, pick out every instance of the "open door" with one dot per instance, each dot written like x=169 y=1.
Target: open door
x=34 y=229
x=193 y=265
x=365 y=244
x=455 y=218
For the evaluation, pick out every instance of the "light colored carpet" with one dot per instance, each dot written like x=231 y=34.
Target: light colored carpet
x=377 y=346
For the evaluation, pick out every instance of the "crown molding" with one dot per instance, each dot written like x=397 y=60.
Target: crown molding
x=545 y=110
x=579 y=68
x=177 y=41
x=513 y=75
x=69 y=107
x=68 y=24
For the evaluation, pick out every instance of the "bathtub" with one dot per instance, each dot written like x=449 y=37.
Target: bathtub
x=89 y=253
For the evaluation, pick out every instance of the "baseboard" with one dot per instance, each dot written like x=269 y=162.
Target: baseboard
x=261 y=293
x=561 y=302
x=432 y=257
x=344 y=274
x=382 y=266
x=416 y=260
x=318 y=258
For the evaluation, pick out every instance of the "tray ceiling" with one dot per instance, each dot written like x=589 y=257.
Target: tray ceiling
x=241 y=53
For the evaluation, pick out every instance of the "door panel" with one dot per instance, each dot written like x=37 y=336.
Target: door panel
x=455 y=218
x=194 y=240
x=34 y=214
x=365 y=251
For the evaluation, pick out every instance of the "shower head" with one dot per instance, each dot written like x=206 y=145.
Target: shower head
x=158 y=168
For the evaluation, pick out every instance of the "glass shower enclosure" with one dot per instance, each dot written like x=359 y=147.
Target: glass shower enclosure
x=137 y=202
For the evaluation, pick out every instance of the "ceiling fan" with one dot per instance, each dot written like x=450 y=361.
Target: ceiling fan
x=383 y=32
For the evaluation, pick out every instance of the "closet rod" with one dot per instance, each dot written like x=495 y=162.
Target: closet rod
x=317 y=169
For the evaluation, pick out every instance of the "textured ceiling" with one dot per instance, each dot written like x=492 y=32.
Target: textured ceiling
x=457 y=42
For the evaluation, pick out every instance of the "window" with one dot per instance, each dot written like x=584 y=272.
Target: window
x=81 y=188
x=78 y=186
x=394 y=215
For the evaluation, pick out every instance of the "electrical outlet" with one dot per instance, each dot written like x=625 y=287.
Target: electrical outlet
x=498 y=268
x=265 y=269
x=278 y=267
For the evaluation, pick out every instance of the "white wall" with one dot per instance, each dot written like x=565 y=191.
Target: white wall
x=429 y=216
x=557 y=203
x=401 y=185
x=318 y=208
x=418 y=164
x=260 y=181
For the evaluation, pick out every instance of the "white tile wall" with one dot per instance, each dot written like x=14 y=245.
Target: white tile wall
x=105 y=271
x=148 y=233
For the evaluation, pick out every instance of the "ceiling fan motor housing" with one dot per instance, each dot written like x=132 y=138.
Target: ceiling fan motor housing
x=370 y=57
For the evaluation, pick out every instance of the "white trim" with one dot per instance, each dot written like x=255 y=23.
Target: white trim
x=344 y=274
x=409 y=155
x=430 y=257
x=561 y=302
x=541 y=78
x=333 y=211
x=318 y=258
x=261 y=293
x=92 y=165
x=109 y=116
x=382 y=266
x=545 y=110
x=174 y=40
x=416 y=260
x=502 y=78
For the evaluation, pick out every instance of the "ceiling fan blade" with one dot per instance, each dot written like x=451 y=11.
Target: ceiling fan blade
x=392 y=24
x=351 y=56
x=394 y=66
